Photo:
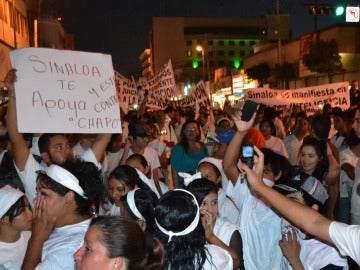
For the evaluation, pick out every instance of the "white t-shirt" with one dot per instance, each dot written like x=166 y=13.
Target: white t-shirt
x=347 y=239
x=224 y=230
x=260 y=229
x=355 y=197
x=346 y=156
x=316 y=255
x=277 y=145
x=227 y=208
x=58 y=250
x=217 y=258
x=109 y=209
x=113 y=160
x=292 y=145
x=12 y=254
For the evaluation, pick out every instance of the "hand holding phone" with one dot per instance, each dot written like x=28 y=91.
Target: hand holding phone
x=247 y=152
x=250 y=107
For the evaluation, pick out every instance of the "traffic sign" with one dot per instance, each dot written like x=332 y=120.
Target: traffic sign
x=352 y=14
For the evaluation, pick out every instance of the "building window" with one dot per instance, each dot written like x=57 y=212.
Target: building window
x=231 y=53
x=210 y=53
x=242 y=53
x=188 y=53
x=210 y=42
x=252 y=42
x=231 y=43
x=221 y=43
x=212 y=63
x=221 y=63
x=242 y=43
x=188 y=43
x=220 y=53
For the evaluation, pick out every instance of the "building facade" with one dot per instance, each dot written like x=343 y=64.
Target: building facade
x=198 y=46
x=14 y=31
x=347 y=37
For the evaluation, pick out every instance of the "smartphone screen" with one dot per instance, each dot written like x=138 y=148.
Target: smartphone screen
x=248 y=155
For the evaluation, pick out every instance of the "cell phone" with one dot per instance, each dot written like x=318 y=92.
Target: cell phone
x=247 y=152
x=250 y=107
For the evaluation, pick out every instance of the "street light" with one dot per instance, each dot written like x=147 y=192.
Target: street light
x=200 y=48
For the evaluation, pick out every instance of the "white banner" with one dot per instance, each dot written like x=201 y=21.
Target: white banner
x=311 y=99
x=60 y=91
x=199 y=95
x=161 y=89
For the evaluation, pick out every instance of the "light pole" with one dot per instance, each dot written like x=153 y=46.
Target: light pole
x=200 y=48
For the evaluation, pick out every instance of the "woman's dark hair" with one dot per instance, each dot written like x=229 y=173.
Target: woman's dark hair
x=126 y=175
x=271 y=125
x=174 y=212
x=123 y=237
x=216 y=169
x=183 y=139
x=90 y=179
x=201 y=188
x=145 y=201
x=140 y=158
x=320 y=149
x=352 y=138
x=321 y=124
x=16 y=209
x=278 y=163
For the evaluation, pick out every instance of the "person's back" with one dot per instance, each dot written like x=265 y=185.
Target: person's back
x=177 y=217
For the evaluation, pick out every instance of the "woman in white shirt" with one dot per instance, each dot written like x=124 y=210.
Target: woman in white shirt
x=218 y=231
x=276 y=144
x=66 y=198
x=15 y=226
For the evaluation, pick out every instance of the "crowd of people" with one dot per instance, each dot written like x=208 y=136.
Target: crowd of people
x=173 y=192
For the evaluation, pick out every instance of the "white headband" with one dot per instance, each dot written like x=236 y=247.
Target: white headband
x=188 y=178
x=8 y=196
x=189 y=228
x=65 y=178
x=130 y=199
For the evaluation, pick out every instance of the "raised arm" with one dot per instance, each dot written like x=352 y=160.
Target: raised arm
x=99 y=145
x=19 y=147
x=302 y=216
x=231 y=157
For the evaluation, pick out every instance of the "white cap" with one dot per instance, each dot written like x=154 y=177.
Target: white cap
x=8 y=196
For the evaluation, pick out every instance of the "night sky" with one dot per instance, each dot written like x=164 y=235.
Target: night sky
x=121 y=27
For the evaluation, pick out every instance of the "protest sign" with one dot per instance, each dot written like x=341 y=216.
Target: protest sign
x=310 y=99
x=161 y=89
x=65 y=91
x=199 y=97
x=127 y=93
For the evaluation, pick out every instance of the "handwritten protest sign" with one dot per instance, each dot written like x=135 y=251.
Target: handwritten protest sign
x=161 y=88
x=310 y=99
x=199 y=95
x=65 y=91
x=127 y=93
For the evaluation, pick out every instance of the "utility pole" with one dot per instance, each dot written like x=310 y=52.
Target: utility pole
x=278 y=30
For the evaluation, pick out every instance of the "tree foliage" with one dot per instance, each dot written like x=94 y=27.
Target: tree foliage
x=259 y=72
x=286 y=72
x=323 y=58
